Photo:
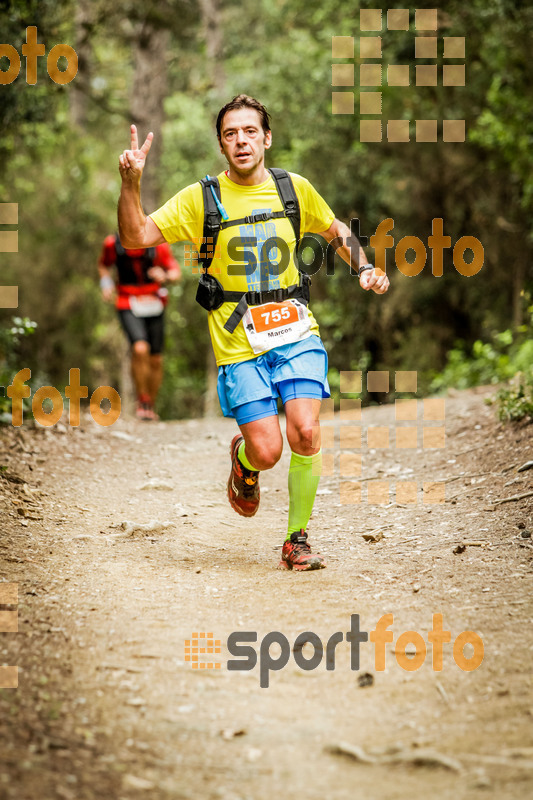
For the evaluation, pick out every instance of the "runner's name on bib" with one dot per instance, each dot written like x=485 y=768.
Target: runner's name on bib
x=146 y=305
x=275 y=324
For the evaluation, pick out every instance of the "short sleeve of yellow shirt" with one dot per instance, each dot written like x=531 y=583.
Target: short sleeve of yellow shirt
x=182 y=219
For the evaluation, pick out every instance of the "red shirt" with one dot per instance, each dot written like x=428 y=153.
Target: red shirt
x=163 y=258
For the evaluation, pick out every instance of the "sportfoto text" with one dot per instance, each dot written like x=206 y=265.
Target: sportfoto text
x=276 y=257
x=18 y=390
x=238 y=646
x=31 y=51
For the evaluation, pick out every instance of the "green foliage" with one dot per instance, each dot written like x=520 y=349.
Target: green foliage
x=11 y=348
x=10 y=338
x=504 y=127
x=515 y=402
x=507 y=357
x=27 y=112
x=487 y=362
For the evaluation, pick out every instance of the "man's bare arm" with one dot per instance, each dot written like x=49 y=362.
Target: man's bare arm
x=350 y=250
x=162 y=275
x=174 y=274
x=135 y=228
x=107 y=284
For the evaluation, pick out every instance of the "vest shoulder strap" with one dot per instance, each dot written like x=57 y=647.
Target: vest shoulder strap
x=288 y=197
x=212 y=220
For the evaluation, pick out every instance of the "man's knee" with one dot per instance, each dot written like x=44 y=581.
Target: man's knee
x=264 y=454
x=140 y=348
x=156 y=359
x=304 y=435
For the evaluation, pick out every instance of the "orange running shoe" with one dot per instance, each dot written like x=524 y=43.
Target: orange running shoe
x=296 y=554
x=243 y=484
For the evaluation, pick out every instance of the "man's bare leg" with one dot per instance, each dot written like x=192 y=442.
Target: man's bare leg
x=303 y=426
x=156 y=376
x=257 y=447
x=140 y=367
x=263 y=442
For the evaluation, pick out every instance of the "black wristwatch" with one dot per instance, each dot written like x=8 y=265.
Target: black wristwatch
x=362 y=269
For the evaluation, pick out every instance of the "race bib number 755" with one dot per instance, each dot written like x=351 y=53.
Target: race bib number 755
x=274 y=324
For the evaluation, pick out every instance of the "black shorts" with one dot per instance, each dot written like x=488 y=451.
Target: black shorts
x=147 y=329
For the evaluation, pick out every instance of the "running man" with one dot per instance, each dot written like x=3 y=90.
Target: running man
x=140 y=301
x=253 y=302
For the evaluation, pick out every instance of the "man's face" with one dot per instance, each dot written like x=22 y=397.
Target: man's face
x=243 y=140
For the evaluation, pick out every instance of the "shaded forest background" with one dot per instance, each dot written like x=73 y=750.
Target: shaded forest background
x=168 y=66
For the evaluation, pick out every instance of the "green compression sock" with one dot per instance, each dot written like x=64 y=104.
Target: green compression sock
x=304 y=475
x=241 y=455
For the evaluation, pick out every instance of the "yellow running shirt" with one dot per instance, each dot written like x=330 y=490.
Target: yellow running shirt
x=182 y=219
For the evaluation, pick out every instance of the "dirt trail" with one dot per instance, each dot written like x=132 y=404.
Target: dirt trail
x=108 y=707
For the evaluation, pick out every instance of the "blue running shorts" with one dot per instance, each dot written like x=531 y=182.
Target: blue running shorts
x=249 y=390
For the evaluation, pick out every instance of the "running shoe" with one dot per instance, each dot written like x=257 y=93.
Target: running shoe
x=141 y=412
x=151 y=415
x=296 y=554
x=243 y=484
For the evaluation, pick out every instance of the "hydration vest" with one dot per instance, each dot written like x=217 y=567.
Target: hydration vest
x=211 y=294
x=127 y=275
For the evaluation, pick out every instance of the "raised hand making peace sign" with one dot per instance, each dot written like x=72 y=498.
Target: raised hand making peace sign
x=131 y=162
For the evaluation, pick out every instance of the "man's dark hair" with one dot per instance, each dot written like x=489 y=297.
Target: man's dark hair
x=244 y=101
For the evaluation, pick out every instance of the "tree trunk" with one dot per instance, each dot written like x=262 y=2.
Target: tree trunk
x=149 y=90
x=519 y=282
x=214 y=41
x=80 y=88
